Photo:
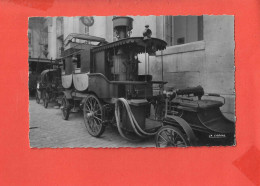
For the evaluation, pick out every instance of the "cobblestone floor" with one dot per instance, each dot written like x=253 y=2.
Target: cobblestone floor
x=48 y=129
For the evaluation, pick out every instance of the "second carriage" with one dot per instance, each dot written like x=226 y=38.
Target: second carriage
x=49 y=88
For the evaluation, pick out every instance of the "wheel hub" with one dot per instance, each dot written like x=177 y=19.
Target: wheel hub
x=90 y=114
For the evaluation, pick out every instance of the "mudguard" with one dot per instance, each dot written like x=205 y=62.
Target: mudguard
x=187 y=129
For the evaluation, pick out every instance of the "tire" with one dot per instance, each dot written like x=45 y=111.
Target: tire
x=93 y=116
x=169 y=136
x=46 y=100
x=65 y=108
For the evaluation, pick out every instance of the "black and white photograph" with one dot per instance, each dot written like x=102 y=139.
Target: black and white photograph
x=131 y=81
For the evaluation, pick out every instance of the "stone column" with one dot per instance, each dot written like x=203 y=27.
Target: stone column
x=52 y=38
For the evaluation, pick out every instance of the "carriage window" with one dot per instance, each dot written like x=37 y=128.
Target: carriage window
x=183 y=29
x=63 y=61
x=78 y=61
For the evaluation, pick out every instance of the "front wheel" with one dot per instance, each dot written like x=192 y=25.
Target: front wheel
x=169 y=136
x=65 y=107
x=93 y=116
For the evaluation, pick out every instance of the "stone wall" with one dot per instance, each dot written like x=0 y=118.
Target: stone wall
x=219 y=66
x=209 y=63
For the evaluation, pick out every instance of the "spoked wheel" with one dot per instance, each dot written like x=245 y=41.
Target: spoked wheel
x=46 y=100
x=37 y=97
x=93 y=116
x=65 y=107
x=169 y=136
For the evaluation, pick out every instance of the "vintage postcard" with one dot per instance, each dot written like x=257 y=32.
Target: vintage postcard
x=131 y=81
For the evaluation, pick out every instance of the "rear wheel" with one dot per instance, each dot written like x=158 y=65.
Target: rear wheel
x=93 y=116
x=169 y=136
x=65 y=107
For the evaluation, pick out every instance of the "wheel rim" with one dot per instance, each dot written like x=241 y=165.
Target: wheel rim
x=93 y=115
x=170 y=138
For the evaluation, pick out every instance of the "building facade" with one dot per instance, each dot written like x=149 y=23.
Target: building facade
x=200 y=49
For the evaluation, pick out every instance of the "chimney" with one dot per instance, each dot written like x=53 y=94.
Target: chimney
x=122 y=26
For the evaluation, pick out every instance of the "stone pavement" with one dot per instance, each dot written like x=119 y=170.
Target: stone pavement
x=48 y=129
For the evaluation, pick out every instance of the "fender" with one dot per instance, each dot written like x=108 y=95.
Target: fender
x=67 y=94
x=187 y=129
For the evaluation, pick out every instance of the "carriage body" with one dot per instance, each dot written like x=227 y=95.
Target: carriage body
x=112 y=66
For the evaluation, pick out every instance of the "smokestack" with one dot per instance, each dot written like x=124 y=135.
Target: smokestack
x=122 y=26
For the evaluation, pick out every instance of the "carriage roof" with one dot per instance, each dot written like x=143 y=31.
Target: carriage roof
x=137 y=43
x=84 y=37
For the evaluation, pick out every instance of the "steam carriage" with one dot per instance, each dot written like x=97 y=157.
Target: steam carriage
x=102 y=79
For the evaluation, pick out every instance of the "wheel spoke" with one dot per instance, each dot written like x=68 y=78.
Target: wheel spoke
x=91 y=104
x=168 y=134
x=90 y=107
x=94 y=105
x=91 y=124
x=98 y=112
x=175 y=136
x=162 y=144
x=97 y=118
x=87 y=107
x=163 y=138
x=93 y=127
x=96 y=126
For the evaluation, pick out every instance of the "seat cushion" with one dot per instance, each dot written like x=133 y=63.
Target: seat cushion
x=198 y=104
